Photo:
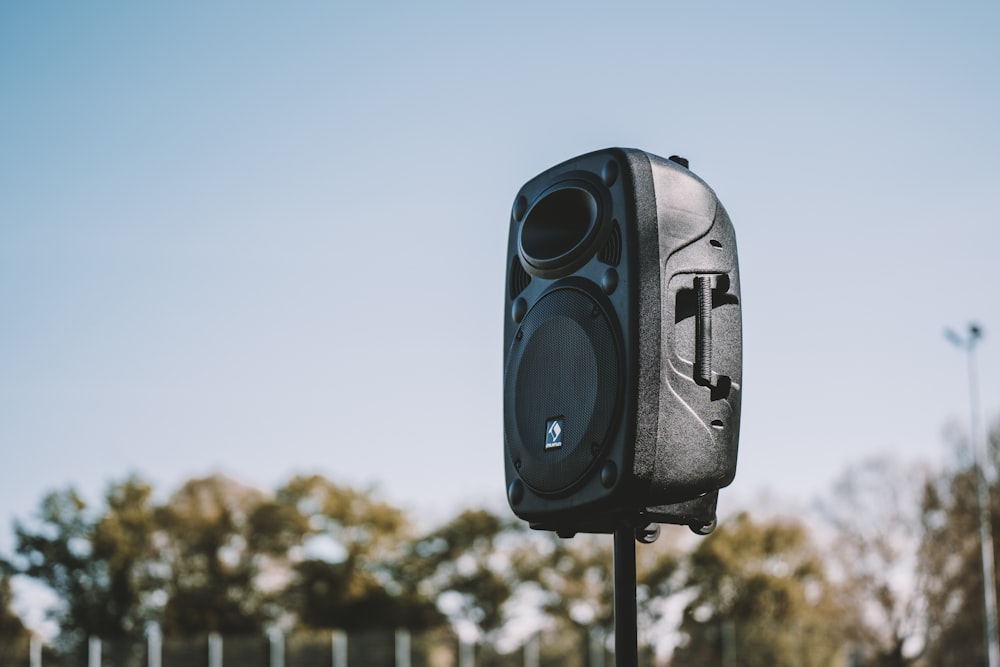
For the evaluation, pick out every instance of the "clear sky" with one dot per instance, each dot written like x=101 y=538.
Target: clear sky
x=268 y=238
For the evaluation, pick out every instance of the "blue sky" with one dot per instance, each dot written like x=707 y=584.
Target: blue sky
x=265 y=238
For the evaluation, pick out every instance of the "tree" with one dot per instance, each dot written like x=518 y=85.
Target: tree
x=661 y=583
x=875 y=511
x=220 y=556
x=122 y=540
x=759 y=591
x=575 y=577
x=56 y=550
x=345 y=559
x=951 y=558
x=11 y=626
x=98 y=565
x=14 y=636
x=213 y=579
x=581 y=578
x=465 y=567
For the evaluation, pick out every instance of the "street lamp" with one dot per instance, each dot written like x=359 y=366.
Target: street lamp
x=968 y=343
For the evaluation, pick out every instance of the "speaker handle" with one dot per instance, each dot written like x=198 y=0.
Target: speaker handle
x=703 y=331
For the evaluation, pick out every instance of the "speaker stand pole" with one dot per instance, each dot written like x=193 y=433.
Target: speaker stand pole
x=626 y=624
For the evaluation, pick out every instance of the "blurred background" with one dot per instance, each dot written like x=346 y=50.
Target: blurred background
x=244 y=246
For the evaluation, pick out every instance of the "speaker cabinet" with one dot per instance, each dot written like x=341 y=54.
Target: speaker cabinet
x=622 y=345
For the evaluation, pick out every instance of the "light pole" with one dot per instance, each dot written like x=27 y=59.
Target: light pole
x=968 y=343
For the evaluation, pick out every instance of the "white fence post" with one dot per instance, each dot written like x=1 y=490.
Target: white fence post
x=729 y=643
x=532 y=651
x=93 y=652
x=277 y=640
x=402 y=647
x=466 y=653
x=154 y=646
x=214 y=650
x=35 y=651
x=597 y=642
x=339 y=641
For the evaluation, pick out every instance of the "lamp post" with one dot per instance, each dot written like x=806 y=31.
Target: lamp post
x=968 y=343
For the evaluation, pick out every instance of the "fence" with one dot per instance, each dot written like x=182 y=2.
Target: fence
x=398 y=648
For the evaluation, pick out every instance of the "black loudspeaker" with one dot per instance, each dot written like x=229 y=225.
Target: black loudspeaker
x=622 y=346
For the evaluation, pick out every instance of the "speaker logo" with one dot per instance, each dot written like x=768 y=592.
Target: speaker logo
x=553 y=433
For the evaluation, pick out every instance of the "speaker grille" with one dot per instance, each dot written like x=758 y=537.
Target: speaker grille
x=611 y=253
x=561 y=390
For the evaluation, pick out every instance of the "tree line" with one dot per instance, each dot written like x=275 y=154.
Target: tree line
x=885 y=573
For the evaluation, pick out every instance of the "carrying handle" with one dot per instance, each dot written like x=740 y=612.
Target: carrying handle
x=703 y=331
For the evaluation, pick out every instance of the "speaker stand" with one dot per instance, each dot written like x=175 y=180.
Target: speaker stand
x=626 y=624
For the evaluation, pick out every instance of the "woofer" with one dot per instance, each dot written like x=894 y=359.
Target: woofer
x=561 y=389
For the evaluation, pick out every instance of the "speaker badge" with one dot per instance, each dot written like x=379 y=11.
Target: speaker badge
x=553 y=433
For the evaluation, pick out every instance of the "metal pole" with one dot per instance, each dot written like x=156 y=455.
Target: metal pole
x=982 y=499
x=626 y=625
x=985 y=518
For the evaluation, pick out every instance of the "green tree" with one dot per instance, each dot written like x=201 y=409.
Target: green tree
x=660 y=579
x=951 y=558
x=875 y=511
x=99 y=565
x=11 y=626
x=122 y=541
x=14 y=636
x=759 y=592
x=575 y=576
x=56 y=550
x=466 y=568
x=345 y=558
x=213 y=583
x=581 y=578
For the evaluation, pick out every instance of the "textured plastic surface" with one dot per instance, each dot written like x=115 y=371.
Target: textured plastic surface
x=646 y=247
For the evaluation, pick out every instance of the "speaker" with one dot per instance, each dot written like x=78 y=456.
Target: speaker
x=622 y=345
